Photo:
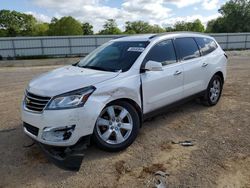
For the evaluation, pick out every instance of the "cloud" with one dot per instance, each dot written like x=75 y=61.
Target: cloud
x=39 y=17
x=206 y=4
x=96 y=12
x=210 y=4
x=204 y=19
x=84 y=10
x=183 y=3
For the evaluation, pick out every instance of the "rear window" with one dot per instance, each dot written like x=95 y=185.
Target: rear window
x=187 y=48
x=206 y=45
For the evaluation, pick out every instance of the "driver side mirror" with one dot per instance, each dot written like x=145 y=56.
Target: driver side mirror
x=153 y=66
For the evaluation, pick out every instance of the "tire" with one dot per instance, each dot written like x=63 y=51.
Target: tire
x=116 y=129
x=213 y=92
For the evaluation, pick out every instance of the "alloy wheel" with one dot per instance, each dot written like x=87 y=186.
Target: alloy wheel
x=215 y=90
x=114 y=124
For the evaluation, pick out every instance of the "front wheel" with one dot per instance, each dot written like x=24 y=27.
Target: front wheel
x=116 y=127
x=213 y=91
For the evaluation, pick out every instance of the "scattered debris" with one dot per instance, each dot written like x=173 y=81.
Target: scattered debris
x=161 y=173
x=185 y=143
x=160 y=179
x=160 y=182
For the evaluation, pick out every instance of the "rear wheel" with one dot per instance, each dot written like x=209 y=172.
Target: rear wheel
x=116 y=127
x=213 y=91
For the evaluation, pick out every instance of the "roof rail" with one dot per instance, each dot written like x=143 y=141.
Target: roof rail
x=153 y=36
x=175 y=32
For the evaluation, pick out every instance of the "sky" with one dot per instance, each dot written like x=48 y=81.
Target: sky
x=162 y=12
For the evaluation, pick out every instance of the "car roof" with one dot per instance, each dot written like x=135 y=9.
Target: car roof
x=151 y=37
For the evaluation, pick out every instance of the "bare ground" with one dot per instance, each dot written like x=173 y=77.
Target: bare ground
x=219 y=158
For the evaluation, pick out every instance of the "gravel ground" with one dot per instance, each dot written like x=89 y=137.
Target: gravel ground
x=219 y=158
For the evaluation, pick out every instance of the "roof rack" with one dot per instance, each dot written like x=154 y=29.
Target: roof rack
x=153 y=36
x=175 y=32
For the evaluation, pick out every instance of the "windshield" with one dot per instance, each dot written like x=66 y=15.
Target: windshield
x=114 y=56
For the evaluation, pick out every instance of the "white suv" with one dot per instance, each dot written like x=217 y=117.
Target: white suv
x=109 y=93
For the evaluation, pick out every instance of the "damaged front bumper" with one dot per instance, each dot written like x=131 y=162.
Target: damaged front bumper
x=67 y=158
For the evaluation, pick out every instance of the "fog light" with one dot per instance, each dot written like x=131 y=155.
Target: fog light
x=57 y=134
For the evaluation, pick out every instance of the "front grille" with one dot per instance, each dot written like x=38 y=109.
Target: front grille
x=35 y=102
x=31 y=129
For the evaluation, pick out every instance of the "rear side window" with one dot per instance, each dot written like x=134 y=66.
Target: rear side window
x=187 y=48
x=163 y=52
x=206 y=45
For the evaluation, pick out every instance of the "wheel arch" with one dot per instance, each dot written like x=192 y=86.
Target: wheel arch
x=220 y=74
x=131 y=102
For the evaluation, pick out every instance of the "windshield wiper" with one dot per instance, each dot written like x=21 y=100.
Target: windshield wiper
x=97 y=68
x=75 y=64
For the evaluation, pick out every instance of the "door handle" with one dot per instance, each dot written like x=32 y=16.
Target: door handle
x=177 y=72
x=204 y=64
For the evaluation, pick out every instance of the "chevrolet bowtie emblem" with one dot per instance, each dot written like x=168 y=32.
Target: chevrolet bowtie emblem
x=27 y=101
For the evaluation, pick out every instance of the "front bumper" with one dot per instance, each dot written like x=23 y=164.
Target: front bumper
x=83 y=118
x=67 y=158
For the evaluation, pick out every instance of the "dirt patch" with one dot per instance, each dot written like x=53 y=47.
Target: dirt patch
x=219 y=158
x=236 y=172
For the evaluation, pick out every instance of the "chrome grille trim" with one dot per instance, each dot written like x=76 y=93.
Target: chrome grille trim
x=35 y=103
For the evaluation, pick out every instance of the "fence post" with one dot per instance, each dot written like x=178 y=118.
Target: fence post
x=14 y=48
x=96 y=42
x=70 y=46
x=42 y=47
x=246 y=41
x=227 y=41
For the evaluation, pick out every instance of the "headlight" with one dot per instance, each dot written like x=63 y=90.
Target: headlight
x=73 y=99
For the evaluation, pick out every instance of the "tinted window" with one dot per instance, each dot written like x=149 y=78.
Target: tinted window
x=162 y=52
x=187 y=48
x=114 y=56
x=206 y=45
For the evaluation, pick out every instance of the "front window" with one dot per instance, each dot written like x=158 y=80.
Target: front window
x=114 y=56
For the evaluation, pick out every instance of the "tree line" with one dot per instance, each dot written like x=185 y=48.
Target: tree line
x=235 y=17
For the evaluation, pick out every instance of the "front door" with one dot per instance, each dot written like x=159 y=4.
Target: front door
x=164 y=87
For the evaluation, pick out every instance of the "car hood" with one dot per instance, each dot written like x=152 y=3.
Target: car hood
x=66 y=79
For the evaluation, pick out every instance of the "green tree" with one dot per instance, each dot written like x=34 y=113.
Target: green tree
x=216 y=26
x=235 y=18
x=195 y=26
x=41 y=29
x=157 y=29
x=16 y=24
x=138 y=27
x=110 y=28
x=169 y=29
x=3 y=33
x=65 y=26
x=180 y=26
x=87 y=29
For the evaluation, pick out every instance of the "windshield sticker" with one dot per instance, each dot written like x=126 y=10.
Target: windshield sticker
x=136 y=49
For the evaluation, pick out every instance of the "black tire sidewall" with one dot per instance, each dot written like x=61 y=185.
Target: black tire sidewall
x=207 y=98
x=136 y=124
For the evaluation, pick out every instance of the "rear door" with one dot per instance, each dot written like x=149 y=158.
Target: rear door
x=162 y=87
x=192 y=62
x=210 y=58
